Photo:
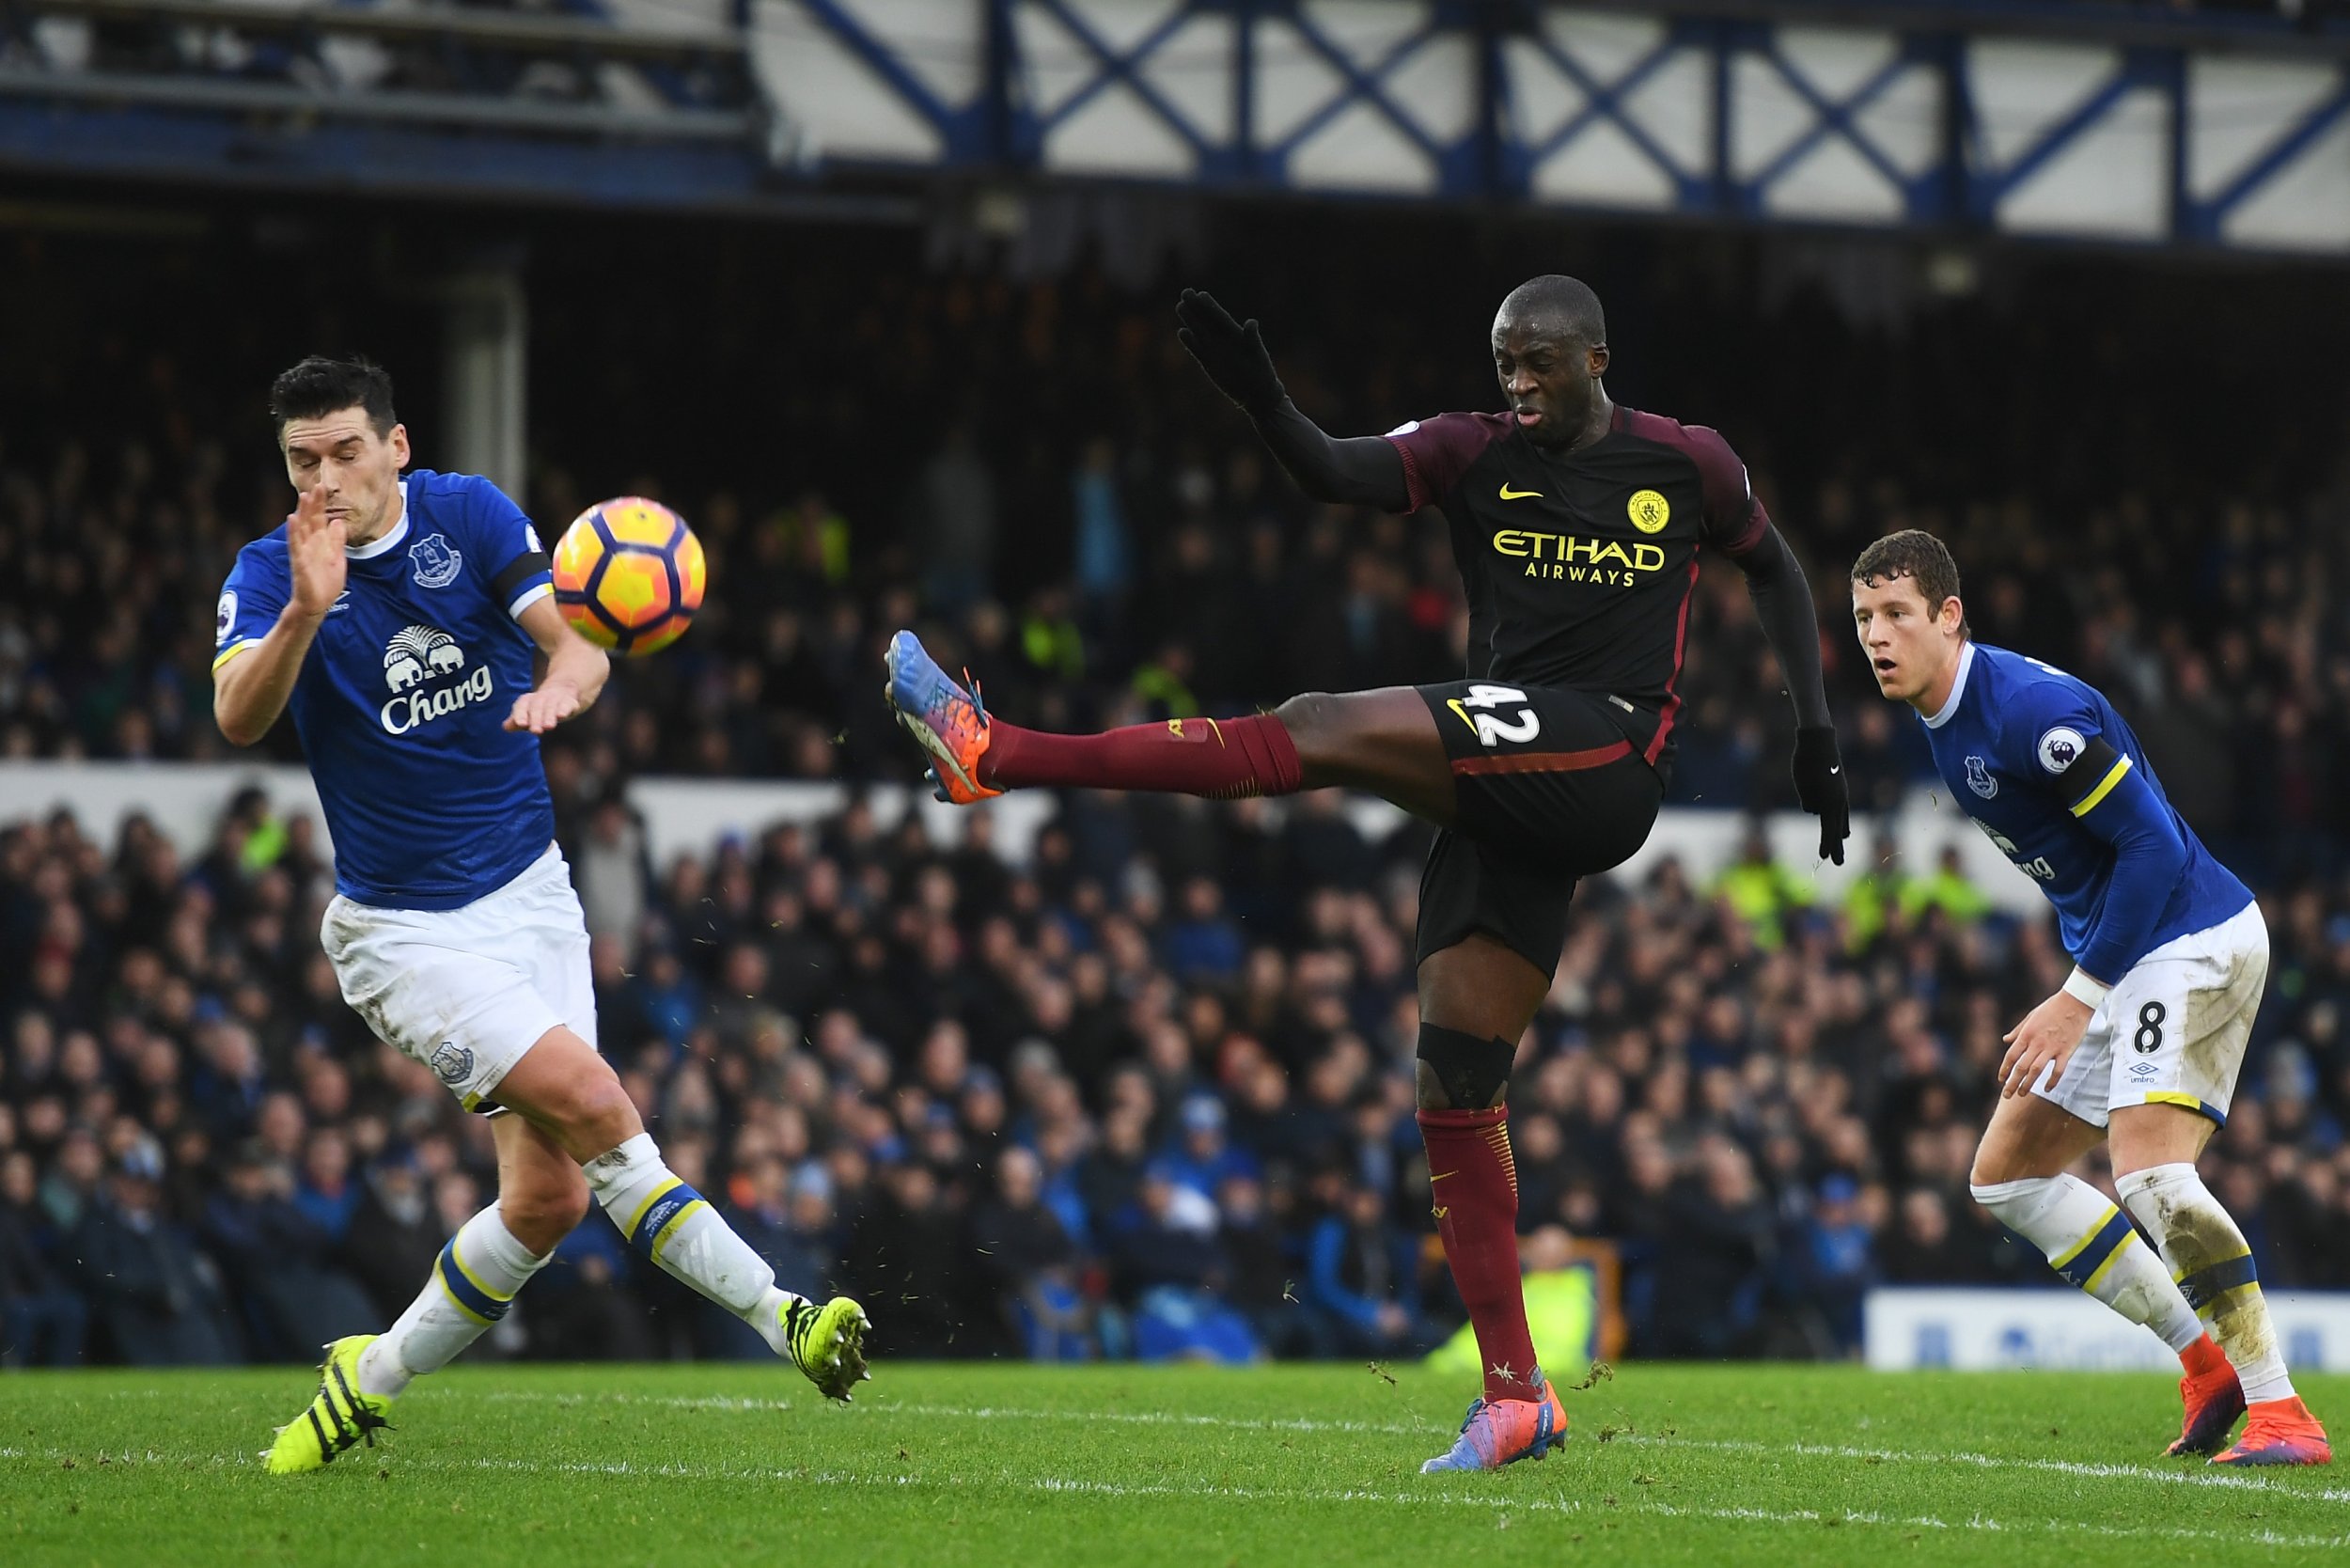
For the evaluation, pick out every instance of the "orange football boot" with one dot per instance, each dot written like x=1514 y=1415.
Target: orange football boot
x=948 y=721
x=1503 y=1432
x=2279 y=1432
x=2213 y=1397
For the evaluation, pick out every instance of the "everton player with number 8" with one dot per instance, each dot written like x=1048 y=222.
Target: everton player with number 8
x=1576 y=524
x=2142 y=1045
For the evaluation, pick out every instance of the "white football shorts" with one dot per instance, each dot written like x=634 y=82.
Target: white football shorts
x=2172 y=1030
x=467 y=990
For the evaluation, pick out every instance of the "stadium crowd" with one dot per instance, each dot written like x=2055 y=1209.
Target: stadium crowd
x=1107 y=541
x=1150 y=1094
x=1149 y=1091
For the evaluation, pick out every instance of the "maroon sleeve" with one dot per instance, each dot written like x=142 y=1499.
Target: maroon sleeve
x=1436 y=453
x=1733 y=520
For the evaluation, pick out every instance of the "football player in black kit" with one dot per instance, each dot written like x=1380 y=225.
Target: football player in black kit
x=1576 y=524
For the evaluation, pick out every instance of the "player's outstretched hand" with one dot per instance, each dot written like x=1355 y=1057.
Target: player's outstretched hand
x=2048 y=1036
x=543 y=708
x=1820 y=787
x=314 y=555
x=1233 y=352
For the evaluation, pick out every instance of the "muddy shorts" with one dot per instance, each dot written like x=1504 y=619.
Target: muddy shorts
x=2172 y=1030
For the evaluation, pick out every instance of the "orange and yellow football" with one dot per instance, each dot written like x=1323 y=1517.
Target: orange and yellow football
x=629 y=574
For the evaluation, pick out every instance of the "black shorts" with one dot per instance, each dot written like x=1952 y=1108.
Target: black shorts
x=1549 y=790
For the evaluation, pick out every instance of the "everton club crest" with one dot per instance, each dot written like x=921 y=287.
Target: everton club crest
x=436 y=561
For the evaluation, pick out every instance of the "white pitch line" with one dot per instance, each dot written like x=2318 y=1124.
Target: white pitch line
x=2211 y=1476
x=2208 y=1477
x=988 y=1412
x=1065 y=1485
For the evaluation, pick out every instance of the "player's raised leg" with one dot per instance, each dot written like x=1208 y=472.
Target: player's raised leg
x=1383 y=741
x=542 y=1195
x=2154 y=1149
x=573 y=1094
x=1476 y=1000
x=2019 y=1175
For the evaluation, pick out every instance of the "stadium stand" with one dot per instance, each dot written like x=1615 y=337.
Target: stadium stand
x=1148 y=1092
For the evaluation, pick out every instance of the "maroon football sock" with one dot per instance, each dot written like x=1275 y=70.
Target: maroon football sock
x=1220 y=758
x=1473 y=1179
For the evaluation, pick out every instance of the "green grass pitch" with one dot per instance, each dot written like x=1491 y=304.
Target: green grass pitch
x=1036 y=1466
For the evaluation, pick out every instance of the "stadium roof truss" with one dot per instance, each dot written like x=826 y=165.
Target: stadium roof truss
x=1997 y=119
x=2002 y=117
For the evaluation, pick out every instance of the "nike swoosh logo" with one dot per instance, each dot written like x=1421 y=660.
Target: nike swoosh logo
x=1833 y=772
x=1508 y=494
x=1454 y=703
x=1436 y=1176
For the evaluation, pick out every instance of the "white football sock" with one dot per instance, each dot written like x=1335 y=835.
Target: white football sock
x=671 y=1224
x=2089 y=1242
x=2213 y=1263
x=472 y=1286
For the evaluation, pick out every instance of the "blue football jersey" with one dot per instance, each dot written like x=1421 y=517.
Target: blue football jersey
x=402 y=700
x=2046 y=767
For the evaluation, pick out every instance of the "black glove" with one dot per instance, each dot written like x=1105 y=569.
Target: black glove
x=1820 y=785
x=1230 y=351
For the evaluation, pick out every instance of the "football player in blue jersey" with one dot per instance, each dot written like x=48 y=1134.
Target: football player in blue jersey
x=2142 y=1045
x=409 y=626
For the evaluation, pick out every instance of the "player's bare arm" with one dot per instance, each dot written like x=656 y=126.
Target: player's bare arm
x=251 y=690
x=571 y=672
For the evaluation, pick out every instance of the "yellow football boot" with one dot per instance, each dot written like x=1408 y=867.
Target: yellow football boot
x=827 y=1344
x=340 y=1418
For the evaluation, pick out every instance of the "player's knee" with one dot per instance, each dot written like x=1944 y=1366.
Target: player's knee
x=1311 y=718
x=1457 y=1070
x=593 y=1114
x=1995 y=1168
x=542 y=1210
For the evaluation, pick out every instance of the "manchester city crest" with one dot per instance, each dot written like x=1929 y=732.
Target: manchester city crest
x=1979 y=779
x=436 y=561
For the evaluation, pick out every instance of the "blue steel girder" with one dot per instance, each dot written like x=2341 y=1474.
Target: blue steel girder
x=1123 y=69
x=1836 y=117
x=1459 y=170
x=1504 y=46
x=2144 y=67
x=966 y=134
x=2202 y=220
x=1605 y=101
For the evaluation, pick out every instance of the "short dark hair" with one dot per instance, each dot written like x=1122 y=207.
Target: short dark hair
x=1568 y=300
x=320 y=386
x=1916 y=554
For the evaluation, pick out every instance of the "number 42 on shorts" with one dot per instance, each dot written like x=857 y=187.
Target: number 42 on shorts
x=1492 y=730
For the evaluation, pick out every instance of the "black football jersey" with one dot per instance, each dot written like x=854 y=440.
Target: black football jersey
x=1580 y=567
